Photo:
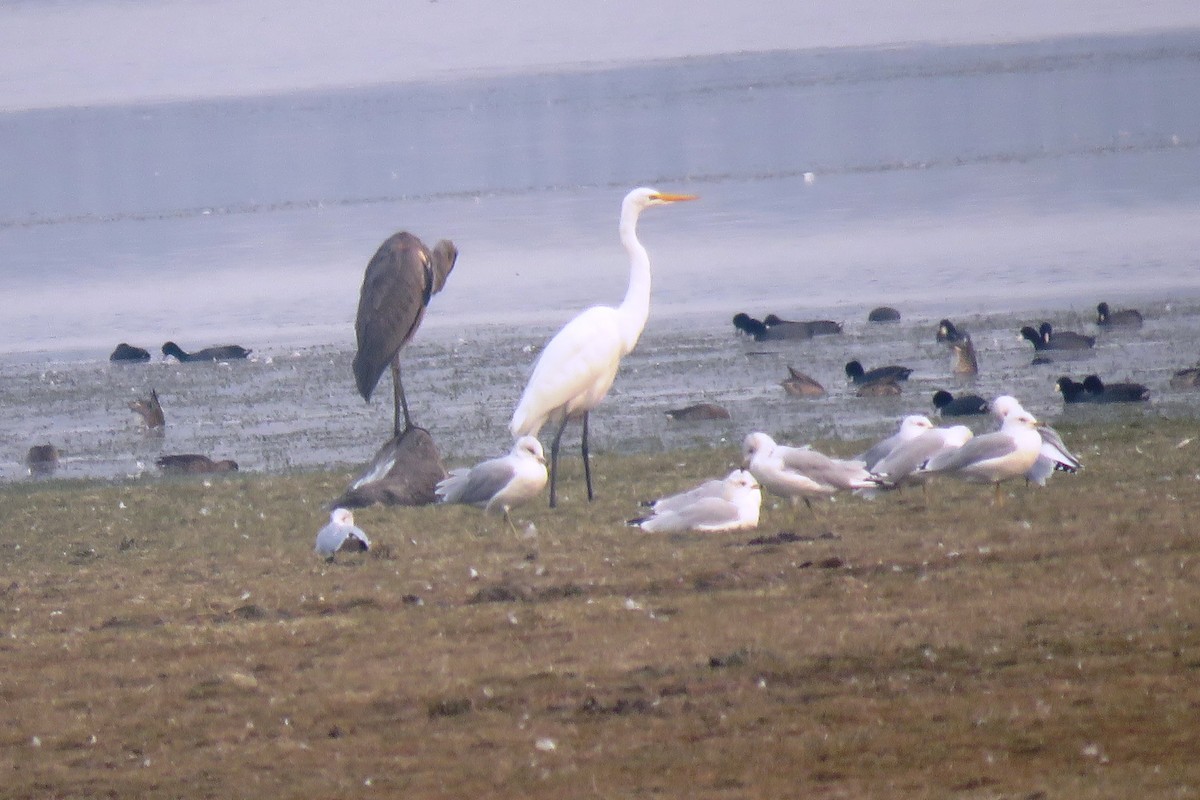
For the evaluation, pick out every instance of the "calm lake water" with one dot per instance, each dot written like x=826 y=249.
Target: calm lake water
x=994 y=184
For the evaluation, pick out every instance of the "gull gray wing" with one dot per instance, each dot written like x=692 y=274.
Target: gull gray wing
x=981 y=448
x=478 y=485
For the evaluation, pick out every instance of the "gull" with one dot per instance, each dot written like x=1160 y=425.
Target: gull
x=731 y=504
x=993 y=457
x=1054 y=453
x=800 y=472
x=341 y=535
x=499 y=483
x=903 y=465
x=910 y=428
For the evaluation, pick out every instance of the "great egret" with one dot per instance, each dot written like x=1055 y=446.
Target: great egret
x=341 y=535
x=193 y=464
x=578 y=365
x=225 y=352
x=1125 y=318
x=127 y=352
x=499 y=484
x=400 y=278
x=729 y=505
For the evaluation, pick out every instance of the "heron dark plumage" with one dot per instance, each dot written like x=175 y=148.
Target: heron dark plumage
x=856 y=373
x=225 y=352
x=883 y=314
x=127 y=352
x=964 y=405
x=399 y=281
x=1125 y=318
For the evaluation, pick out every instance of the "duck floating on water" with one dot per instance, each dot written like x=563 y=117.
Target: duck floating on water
x=225 y=352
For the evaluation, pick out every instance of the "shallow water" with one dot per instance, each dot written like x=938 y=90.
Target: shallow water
x=996 y=185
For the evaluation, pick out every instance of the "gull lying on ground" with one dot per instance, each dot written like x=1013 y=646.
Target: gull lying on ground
x=1054 y=454
x=499 y=483
x=800 y=472
x=993 y=457
x=716 y=505
x=341 y=535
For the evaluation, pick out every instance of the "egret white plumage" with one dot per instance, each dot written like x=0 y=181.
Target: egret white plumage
x=499 y=483
x=800 y=472
x=341 y=535
x=731 y=504
x=577 y=367
x=993 y=457
x=400 y=279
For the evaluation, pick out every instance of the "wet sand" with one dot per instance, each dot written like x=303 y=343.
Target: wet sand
x=288 y=409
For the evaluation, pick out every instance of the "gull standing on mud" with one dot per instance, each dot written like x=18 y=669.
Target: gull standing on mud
x=993 y=457
x=341 y=535
x=800 y=472
x=1053 y=456
x=400 y=279
x=499 y=483
x=579 y=364
x=731 y=504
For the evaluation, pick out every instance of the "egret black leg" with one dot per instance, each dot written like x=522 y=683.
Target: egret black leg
x=399 y=402
x=554 y=463
x=587 y=463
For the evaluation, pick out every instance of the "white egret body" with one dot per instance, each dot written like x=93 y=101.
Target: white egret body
x=578 y=365
x=499 y=483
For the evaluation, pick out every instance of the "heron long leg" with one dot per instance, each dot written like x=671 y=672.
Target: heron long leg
x=587 y=464
x=554 y=462
x=399 y=402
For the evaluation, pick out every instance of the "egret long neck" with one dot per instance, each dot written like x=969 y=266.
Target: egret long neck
x=635 y=308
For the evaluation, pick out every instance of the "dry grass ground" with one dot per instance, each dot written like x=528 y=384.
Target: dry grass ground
x=179 y=639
